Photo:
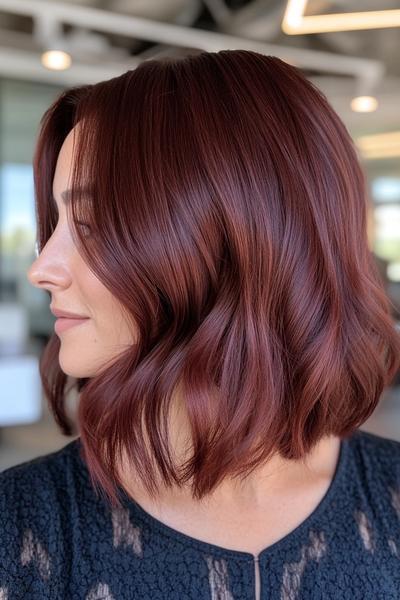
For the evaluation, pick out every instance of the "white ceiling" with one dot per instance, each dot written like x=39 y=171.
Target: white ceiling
x=106 y=37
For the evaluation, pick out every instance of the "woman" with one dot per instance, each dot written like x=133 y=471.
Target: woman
x=204 y=219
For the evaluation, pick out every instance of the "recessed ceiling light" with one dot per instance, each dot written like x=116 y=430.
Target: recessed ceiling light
x=56 y=60
x=364 y=104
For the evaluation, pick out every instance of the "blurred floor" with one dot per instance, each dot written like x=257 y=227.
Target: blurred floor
x=21 y=443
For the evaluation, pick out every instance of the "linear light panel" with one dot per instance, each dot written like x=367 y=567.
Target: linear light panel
x=380 y=145
x=295 y=23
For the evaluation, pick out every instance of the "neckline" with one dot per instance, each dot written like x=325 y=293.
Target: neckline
x=179 y=536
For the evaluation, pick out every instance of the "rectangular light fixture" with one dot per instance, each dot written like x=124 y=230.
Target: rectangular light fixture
x=380 y=145
x=295 y=23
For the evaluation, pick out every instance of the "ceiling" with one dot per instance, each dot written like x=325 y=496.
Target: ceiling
x=107 y=37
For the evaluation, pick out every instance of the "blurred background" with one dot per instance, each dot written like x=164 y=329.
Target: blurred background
x=349 y=48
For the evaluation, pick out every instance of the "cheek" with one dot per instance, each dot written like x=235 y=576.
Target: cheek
x=122 y=328
x=110 y=319
x=98 y=298
x=113 y=323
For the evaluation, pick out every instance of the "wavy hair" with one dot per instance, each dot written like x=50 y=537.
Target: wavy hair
x=228 y=213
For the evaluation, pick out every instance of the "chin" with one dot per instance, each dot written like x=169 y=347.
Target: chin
x=74 y=364
x=75 y=373
x=73 y=370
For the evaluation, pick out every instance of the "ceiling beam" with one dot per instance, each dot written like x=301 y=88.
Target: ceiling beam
x=367 y=72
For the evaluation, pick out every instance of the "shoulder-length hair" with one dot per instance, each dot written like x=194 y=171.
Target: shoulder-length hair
x=228 y=213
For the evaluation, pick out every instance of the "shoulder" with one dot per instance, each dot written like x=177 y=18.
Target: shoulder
x=37 y=499
x=40 y=476
x=376 y=450
x=33 y=493
x=375 y=471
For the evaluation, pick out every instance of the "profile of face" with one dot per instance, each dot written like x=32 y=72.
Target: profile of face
x=86 y=347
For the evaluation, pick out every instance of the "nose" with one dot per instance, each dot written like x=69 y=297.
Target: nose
x=49 y=271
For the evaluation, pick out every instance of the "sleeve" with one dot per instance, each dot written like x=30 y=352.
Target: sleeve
x=9 y=537
x=25 y=527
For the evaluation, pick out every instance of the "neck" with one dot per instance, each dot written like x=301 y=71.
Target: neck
x=274 y=479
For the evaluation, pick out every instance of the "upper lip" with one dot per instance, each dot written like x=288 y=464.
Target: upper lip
x=64 y=313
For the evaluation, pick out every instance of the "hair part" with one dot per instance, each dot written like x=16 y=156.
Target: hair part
x=229 y=218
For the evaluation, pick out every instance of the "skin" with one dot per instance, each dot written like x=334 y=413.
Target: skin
x=73 y=286
x=242 y=515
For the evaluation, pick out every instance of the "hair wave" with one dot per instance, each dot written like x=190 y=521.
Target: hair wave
x=229 y=218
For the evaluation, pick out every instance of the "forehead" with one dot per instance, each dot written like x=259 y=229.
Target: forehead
x=64 y=164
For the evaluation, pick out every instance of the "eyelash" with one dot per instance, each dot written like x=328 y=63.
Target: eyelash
x=81 y=224
x=84 y=225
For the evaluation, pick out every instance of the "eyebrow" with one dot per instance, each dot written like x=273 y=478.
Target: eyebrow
x=80 y=192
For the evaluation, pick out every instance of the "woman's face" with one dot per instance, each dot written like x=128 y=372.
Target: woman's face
x=74 y=288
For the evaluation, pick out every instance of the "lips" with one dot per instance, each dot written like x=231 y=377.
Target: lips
x=66 y=314
x=63 y=323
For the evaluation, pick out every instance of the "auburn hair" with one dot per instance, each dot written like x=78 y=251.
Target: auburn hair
x=228 y=215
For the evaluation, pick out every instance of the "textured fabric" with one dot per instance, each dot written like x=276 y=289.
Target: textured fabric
x=59 y=540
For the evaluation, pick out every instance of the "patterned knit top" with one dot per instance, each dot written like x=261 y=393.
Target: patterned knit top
x=59 y=540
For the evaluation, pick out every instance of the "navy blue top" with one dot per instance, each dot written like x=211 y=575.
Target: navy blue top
x=59 y=540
